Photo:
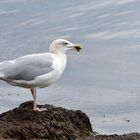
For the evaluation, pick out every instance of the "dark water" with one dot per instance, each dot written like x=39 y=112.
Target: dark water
x=103 y=80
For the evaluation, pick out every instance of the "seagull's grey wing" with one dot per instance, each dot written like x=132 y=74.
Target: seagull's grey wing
x=27 y=67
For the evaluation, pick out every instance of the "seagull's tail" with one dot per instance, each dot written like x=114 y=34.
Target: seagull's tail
x=2 y=75
x=3 y=68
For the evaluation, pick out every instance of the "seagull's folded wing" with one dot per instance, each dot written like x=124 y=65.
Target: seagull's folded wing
x=27 y=67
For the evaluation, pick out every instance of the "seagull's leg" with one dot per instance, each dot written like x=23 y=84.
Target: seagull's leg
x=33 y=91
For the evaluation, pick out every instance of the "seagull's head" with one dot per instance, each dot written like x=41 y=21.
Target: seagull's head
x=62 y=45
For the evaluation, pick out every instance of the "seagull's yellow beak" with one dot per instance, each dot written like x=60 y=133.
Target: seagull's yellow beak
x=76 y=47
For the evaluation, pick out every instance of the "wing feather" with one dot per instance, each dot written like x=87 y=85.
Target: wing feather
x=27 y=67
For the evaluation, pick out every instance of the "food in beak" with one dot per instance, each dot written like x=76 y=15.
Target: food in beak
x=78 y=48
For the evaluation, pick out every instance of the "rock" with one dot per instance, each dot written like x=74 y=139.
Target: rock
x=131 y=136
x=56 y=123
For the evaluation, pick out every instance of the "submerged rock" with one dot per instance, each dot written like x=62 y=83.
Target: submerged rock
x=56 y=123
x=131 y=136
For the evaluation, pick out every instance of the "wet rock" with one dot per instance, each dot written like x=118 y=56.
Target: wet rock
x=56 y=123
x=131 y=136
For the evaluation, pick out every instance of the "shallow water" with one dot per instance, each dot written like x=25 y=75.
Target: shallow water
x=103 y=80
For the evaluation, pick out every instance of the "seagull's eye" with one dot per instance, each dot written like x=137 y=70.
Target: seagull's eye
x=65 y=43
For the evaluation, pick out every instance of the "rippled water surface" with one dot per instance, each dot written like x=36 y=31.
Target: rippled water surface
x=103 y=80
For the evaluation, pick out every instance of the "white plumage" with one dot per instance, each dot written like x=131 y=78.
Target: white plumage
x=37 y=70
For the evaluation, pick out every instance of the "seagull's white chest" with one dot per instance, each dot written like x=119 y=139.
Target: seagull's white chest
x=59 y=66
x=59 y=63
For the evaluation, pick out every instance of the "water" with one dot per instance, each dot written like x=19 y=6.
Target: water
x=103 y=80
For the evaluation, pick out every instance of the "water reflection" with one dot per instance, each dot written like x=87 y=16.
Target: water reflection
x=102 y=79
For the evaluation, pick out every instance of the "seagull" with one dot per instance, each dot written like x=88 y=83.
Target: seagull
x=38 y=70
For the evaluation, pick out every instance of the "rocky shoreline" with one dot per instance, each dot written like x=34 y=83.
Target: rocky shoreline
x=57 y=123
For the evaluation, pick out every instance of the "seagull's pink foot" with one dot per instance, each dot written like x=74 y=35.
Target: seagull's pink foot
x=39 y=109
